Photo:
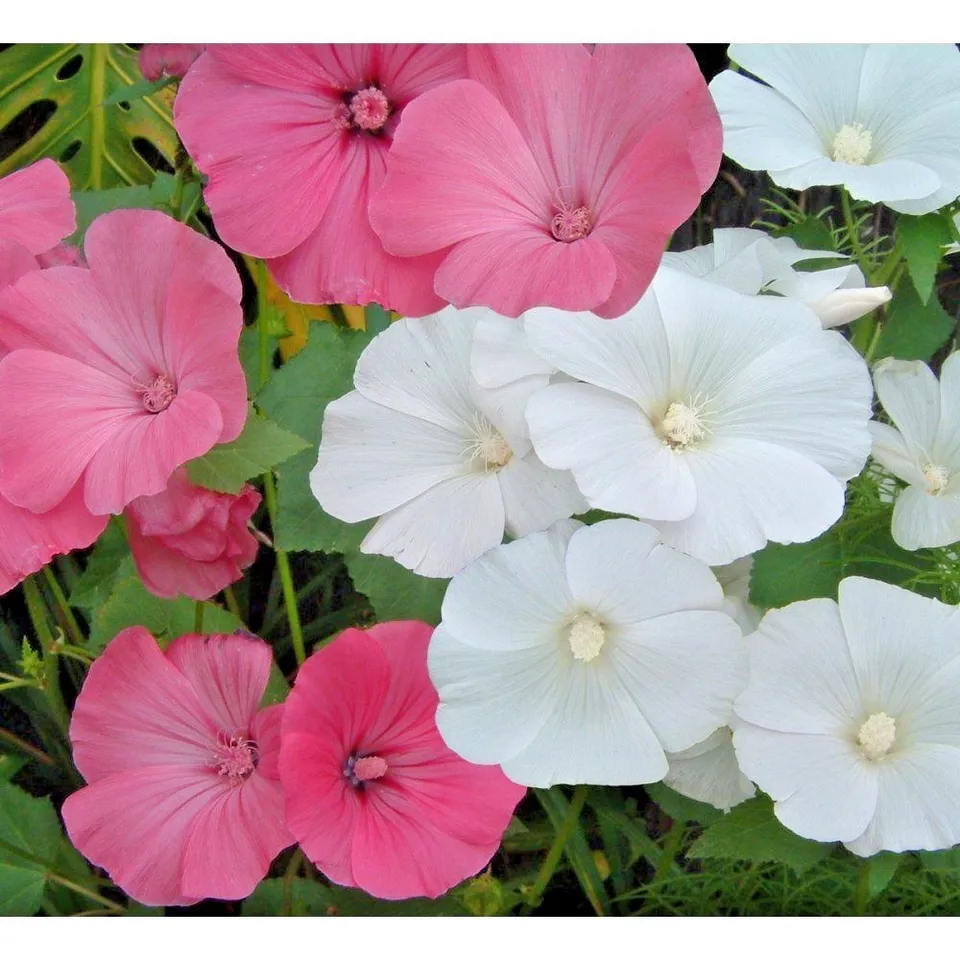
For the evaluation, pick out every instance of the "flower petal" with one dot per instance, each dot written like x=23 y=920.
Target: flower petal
x=35 y=206
x=534 y=496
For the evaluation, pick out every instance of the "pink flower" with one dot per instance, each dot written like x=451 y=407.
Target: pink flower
x=294 y=139
x=191 y=540
x=183 y=800
x=551 y=177
x=374 y=796
x=36 y=213
x=168 y=59
x=117 y=374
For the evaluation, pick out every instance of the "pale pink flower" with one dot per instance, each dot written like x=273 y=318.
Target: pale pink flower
x=116 y=375
x=168 y=59
x=189 y=540
x=374 y=796
x=552 y=176
x=183 y=800
x=294 y=140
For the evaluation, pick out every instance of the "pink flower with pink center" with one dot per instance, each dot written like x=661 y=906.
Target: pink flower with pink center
x=294 y=139
x=168 y=59
x=191 y=541
x=114 y=376
x=374 y=796
x=552 y=176
x=183 y=800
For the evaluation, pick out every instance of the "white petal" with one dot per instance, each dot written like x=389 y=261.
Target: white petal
x=438 y=533
x=373 y=459
x=845 y=306
x=504 y=407
x=802 y=679
x=898 y=182
x=946 y=447
x=608 y=444
x=683 y=670
x=892 y=451
x=922 y=519
x=535 y=496
x=501 y=354
x=734 y=579
x=708 y=772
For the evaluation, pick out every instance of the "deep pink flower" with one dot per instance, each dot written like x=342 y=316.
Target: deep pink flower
x=191 y=540
x=183 y=799
x=374 y=797
x=168 y=59
x=294 y=139
x=36 y=213
x=117 y=374
x=551 y=177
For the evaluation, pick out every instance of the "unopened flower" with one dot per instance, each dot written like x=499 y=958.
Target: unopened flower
x=168 y=59
x=552 y=176
x=374 y=796
x=445 y=464
x=726 y=420
x=191 y=541
x=116 y=375
x=183 y=800
x=922 y=449
x=582 y=654
x=851 y=718
x=883 y=120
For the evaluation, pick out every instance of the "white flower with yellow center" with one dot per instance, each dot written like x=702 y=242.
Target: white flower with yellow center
x=581 y=654
x=923 y=450
x=851 y=718
x=881 y=119
x=445 y=464
x=724 y=419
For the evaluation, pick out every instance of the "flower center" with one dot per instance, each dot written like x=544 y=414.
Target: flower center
x=488 y=445
x=158 y=394
x=937 y=478
x=360 y=769
x=586 y=637
x=681 y=426
x=236 y=758
x=367 y=110
x=877 y=736
x=852 y=144
x=570 y=225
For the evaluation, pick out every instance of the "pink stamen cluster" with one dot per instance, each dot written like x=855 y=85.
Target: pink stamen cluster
x=570 y=225
x=158 y=394
x=360 y=769
x=237 y=758
x=369 y=109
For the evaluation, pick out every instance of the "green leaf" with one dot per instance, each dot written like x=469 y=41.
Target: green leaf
x=751 y=832
x=811 y=233
x=785 y=573
x=882 y=868
x=913 y=330
x=262 y=445
x=375 y=318
x=91 y=203
x=28 y=825
x=681 y=808
x=10 y=765
x=942 y=861
x=395 y=592
x=95 y=142
x=923 y=239
x=277 y=687
x=108 y=563
x=138 y=90
x=131 y=604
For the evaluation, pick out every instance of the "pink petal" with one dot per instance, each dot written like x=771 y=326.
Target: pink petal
x=305 y=68
x=136 y=709
x=458 y=167
x=15 y=261
x=514 y=270
x=167 y=573
x=62 y=255
x=135 y=825
x=178 y=509
x=407 y=70
x=35 y=206
x=168 y=59
x=31 y=540
x=266 y=731
x=228 y=675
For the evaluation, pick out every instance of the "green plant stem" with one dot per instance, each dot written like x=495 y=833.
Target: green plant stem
x=874 y=341
x=38 y=617
x=671 y=847
x=15 y=684
x=28 y=748
x=232 y=605
x=289 y=875
x=198 y=617
x=853 y=233
x=884 y=273
x=552 y=861
x=85 y=892
x=861 y=896
x=75 y=653
x=69 y=620
x=264 y=336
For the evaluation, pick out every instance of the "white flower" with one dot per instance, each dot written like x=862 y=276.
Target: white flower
x=752 y=262
x=734 y=578
x=708 y=772
x=881 y=119
x=446 y=465
x=727 y=420
x=851 y=718
x=924 y=452
x=500 y=354
x=580 y=654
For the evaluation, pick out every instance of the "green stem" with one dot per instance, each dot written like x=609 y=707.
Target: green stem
x=671 y=847
x=882 y=275
x=28 y=748
x=69 y=620
x=549 y=866
x=874 y=341
x=75 y=653
x=293 y=868
x=198 y=617
x=852 y=232
x=85 y=892
x=15 y=684
x=38 y=617
x=232 y=604
x=861 y=896
x=261 y=324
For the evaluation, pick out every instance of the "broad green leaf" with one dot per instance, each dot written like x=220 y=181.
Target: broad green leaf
x=395 y=592
x=91 y=203
x=277 y=687
x=10 y=765
x=376 y=319
x=99 y=145
x=751 y=832
x=131 y=604
x=109 y=562
x=942 y=861
x=29 y=843
x=260 y=447
x=810 y=233
x=783 y=574
x=923 y=239
x=882 y=867
x=913 y=330
x=681 y=808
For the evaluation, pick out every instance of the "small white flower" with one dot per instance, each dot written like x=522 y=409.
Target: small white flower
x=924 y=452
x=727 y=420
x=851 y=718
x=581 y=654
x=881 y=119
x=752 y=262
x=708 y=772
x=445 y=464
